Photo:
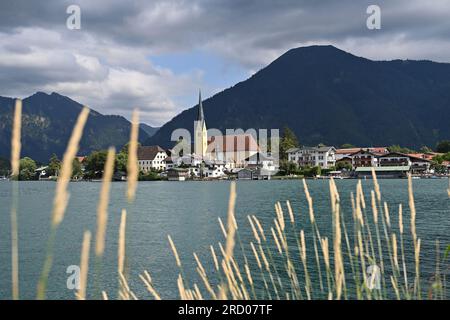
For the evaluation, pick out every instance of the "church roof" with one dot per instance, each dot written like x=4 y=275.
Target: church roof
x=148 y=152
x=233 y=143
x=200 y=116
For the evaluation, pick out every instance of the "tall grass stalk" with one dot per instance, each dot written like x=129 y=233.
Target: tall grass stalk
x=61 y=199
x=15 y=168
x=84 y=265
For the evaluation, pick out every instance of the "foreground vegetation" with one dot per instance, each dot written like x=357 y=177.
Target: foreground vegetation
x=366 y=258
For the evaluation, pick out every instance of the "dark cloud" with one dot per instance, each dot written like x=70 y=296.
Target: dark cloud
x=110 y=54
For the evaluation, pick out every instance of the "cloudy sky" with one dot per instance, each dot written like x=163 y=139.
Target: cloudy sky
x=156 y=54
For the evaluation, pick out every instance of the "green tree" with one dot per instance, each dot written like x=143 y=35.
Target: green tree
x=347 y=146
x=443 y=146
x=121 y=161
x=77 y=173
x=399 y=149
x=5 y=167
x=27 y=169
x=54 y=165
x=343 y=165
x=425 y=149
x=288 y=140
x=94 y=164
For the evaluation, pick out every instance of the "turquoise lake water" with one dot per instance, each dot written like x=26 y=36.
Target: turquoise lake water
x=188 y=211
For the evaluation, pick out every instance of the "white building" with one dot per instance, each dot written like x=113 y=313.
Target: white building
x=320 y=156
x=151 y=158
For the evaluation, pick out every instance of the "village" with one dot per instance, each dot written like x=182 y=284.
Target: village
x=239 y=156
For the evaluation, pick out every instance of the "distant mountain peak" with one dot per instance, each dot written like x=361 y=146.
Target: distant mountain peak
x=327 y=95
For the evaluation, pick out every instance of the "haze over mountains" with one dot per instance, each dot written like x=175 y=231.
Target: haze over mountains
x=330 y=96
x=322 y=93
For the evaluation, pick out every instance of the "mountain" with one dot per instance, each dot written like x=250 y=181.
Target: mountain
x=329 y=96
x=149 y=130
x=47 y=123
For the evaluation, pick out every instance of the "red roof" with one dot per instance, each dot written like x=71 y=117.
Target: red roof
x=148 y=152
x=233 y=143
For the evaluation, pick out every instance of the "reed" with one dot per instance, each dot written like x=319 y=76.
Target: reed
x=61 y=199
x=84 y=265
x=132 y=163
x=15 y=168
x=102 y=208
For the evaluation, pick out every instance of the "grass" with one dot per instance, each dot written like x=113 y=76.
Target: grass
x=364 y=258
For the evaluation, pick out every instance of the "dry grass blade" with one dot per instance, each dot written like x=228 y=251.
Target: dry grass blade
x=15 y=138
x=102 y=209
x=229 y=245
x=84 y=265
x=62 y=196
x=132 y=164
x=15 y=166
x=175 y=252
x=149 y=284
x=121 y=247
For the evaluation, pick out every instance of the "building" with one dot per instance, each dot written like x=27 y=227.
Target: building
x=346 y=152
x=383 y=172
x=320 y=156
x=265 y=162
x=253 y=173
x=394 y=159
x=200 y=132
x=233 y=150
x=364 y=158
x=151 y=158
x=345 y=162
x=177 y=174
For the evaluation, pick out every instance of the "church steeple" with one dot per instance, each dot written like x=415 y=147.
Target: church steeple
x=200 y=132
x=201 y=116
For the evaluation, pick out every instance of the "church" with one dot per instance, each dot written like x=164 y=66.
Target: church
x=231 y=150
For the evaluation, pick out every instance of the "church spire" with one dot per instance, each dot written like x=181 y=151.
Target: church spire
x=200 y=116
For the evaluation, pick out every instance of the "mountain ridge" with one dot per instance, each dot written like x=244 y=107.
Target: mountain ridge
x=47 y=122
x=327 y=95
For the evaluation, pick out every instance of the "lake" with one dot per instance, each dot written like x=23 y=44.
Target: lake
x=189 y=212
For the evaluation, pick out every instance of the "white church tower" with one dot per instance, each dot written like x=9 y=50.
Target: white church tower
x=200 y=133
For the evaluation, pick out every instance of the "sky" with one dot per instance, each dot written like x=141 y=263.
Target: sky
x=155 y=55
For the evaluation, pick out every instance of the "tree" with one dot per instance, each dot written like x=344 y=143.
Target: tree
x=288 y=140
x=121 y=161
x=5 y=167
x=95 y=163
x=443 y=146
x=27 y=169
x=347 y=146
x=76 y=169
x=343 y=165
x=54 y=165
x=399 y=149
x=425 y=149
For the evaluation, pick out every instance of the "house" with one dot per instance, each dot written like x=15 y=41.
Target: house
x=177 y=174
x=343 y=153
x=151 y=158
x=383 y=172
x=253 y=173
x=394 y=159
x=214 y=171
x=364 y=158
x=245 y=174
x=265 y=162
x=232 y=149
x=320 y=156
x=419 y=164
x=169 y=163
x=345 y=161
